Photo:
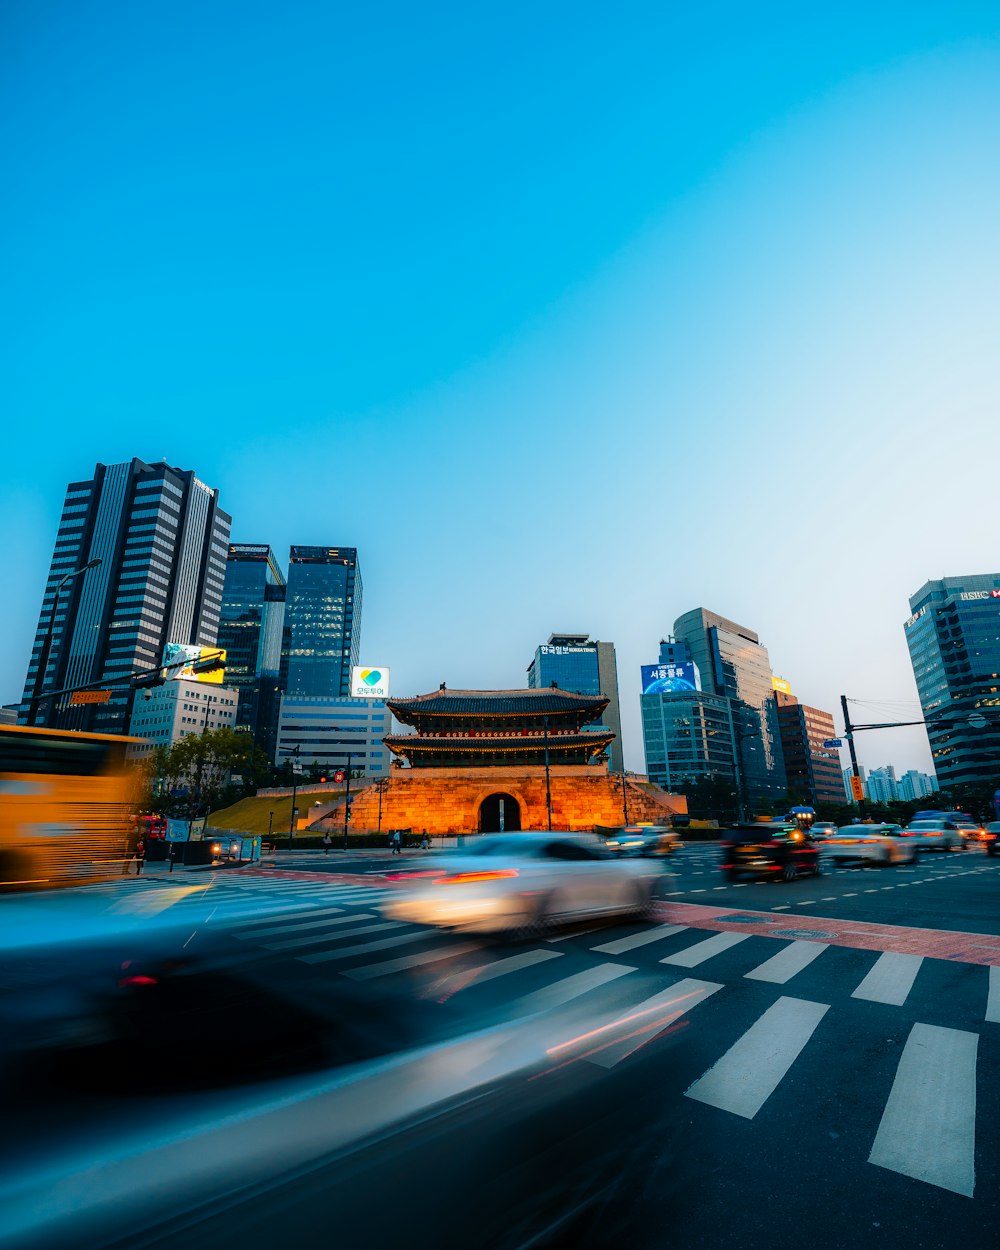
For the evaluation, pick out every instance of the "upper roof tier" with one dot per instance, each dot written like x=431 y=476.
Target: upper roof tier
x=519 y=704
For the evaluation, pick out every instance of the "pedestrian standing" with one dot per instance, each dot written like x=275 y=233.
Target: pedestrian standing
x=395 y=842
x=140 y=855
x=327 y=841
x=425 y=843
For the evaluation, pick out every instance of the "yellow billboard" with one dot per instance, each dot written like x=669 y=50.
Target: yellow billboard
x=782 y=686
x=194 y=663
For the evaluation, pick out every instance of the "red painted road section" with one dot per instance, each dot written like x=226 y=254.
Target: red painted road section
x=970 y=948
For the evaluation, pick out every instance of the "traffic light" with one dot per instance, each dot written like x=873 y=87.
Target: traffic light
x=155 y=677
x=210 y=663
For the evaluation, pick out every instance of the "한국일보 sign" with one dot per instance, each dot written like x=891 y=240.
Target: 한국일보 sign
x=369 y=683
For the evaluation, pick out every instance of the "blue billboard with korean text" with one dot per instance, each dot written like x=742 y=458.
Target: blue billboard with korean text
x=679 y=678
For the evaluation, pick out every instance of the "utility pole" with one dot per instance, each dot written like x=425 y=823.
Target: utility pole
x=43 y=655
x=625 y=796
x=859 y=792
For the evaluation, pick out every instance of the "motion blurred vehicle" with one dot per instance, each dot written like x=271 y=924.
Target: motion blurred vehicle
x=991 y=837
x=769 y=850
x=523 y=883
x=872 y=844
x=935 y=835
x=823 y=829
x=970 y=829
x=643 y=840
x=64 y=804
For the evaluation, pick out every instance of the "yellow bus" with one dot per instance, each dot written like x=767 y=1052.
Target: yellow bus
x=66 y=805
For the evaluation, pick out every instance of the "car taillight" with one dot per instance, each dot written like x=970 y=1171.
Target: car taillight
x=128 y=982
x=770 y=845
x=468 y=878
x=413 y=876
x=726 y=846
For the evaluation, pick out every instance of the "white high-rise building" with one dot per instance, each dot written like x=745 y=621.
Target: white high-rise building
x=178 y=708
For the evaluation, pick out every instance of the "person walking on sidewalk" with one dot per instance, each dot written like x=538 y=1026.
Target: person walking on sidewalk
x=327 y=843
x=396 y=839
x=140 y=856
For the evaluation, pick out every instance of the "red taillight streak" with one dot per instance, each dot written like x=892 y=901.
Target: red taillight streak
x=413 y=876
x=128 y=982
x=467 y=878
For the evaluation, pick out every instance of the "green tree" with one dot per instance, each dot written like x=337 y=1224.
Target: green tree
x=202 y=766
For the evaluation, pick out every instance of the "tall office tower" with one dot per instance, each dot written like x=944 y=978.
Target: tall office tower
x=734 y=665
x=582 y=666
x=250 y=628
x=687 y=734
x=954 y=639
x=916 y=785
x=161 y=539
x=881 y=786
x=322 y=629
x=810 y=768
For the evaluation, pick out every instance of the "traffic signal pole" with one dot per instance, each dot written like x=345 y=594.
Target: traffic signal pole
x=849 y=735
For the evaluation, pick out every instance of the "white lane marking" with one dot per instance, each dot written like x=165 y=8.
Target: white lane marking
x=344 y=952
x=570 y=987
x=751 y=1070
x=276 y=929
x=783 y=966
x=609 y=1045
x=702 y=891
x=852 y=895
x=620 y=945
x=890 y=980
x=993 y=1001
x=692 y=956
x=291 y=944
x=781 y=907
x=388 y=966
x=831 y=899
x=928 y=1128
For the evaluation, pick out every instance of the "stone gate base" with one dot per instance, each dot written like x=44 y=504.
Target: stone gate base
x=448 y=800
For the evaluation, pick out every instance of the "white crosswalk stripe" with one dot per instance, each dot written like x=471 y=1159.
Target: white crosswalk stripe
x=786 y=963
x=993 y=1000
x=291 y=944
x=276 y=930
x=404 y=962
x=570 y=988
x=345 y=952
x=620 y=945
x=309 y=915
x=623 y=1037
x=927 y=1130
x=488 y=970
x=692 y=956
x=890 y=980
x=750 y=1071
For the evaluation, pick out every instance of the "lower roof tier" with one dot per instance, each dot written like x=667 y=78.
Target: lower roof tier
x=480 y=750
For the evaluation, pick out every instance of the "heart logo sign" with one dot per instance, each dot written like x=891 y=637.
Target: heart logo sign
x=371 y=676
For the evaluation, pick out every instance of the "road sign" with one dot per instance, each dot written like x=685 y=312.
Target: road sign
x=298 y=769
x=96 y=696
x=339 y=775
x=833 y=743
x=857 y=789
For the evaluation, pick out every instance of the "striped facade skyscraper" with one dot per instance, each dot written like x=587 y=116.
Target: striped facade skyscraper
x=161 y=540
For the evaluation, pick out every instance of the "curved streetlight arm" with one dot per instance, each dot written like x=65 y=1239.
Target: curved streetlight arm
x=43 y=655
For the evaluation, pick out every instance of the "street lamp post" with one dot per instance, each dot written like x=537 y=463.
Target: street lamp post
x=381 y=786
x=43 y=655
x=624 y=779
x=295 y=788
x=347 y=799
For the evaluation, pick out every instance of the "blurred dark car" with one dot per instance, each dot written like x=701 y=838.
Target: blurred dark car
x=991 y=837
x=768 y=850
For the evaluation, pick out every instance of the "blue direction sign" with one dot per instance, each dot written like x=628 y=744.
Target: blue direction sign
x=831 y=743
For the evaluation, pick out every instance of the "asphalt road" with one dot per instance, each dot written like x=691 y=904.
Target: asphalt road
x=759 y=1085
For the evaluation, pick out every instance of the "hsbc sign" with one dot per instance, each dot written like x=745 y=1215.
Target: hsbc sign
x=980 y=594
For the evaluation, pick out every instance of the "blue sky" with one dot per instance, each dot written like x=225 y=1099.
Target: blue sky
x=569 y=318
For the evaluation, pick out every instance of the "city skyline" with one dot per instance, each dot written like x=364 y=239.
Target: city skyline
x=729 y=278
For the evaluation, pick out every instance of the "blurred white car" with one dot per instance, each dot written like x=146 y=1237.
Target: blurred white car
x=522 y=883
x=872 y=844
x=935 y=835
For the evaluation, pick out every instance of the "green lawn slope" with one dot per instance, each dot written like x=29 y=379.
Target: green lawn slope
x=251 y=815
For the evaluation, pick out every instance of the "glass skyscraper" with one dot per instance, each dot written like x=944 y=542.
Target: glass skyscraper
x=577 y=664
x=734 y=666
x=250 y=629
x=322 y=628
x=161 y=539
x=954 y=639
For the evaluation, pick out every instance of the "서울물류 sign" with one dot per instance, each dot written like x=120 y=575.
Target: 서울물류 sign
x=369 y=683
